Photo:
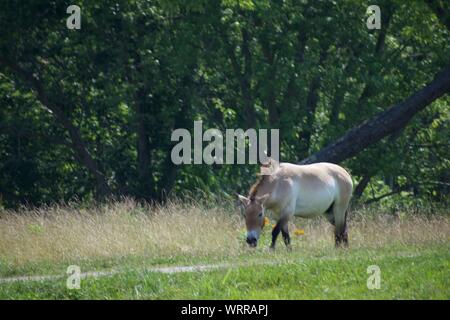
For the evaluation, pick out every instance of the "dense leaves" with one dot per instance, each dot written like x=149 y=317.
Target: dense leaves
x=89 y=113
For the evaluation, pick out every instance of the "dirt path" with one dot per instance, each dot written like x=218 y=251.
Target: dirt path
x=170 y=270
x=178 y=269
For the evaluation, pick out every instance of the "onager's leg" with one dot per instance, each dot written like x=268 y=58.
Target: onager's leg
x=282 y=225
x=275 y=232
x=285 y=233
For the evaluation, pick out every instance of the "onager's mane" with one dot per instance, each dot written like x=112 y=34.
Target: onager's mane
x=255 y=186
x=266 y=170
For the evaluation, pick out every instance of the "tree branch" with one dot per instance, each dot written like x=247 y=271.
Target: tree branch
x=361 y=186
x=78 y=145
x=383 y=196
x=383 y=124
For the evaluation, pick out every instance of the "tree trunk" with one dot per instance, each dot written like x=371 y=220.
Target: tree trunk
x=78 y=145
x=143 y=148
x=299 y=58
x=243 y=77
x=311 y=104
x=182 y=120
x=170 y=169
x=361 y=186
x=249 y=108
x=383 y=124
x=270 y=99
x=369 y=87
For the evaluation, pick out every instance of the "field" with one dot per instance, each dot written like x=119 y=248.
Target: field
x=197 y=250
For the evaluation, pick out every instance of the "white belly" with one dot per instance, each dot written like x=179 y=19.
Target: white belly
x=310 y=204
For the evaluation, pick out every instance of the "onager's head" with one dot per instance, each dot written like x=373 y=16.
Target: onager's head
x=254 y=217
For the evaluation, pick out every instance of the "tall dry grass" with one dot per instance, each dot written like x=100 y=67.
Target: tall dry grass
x=125 y=228
x=373 y=227
x=115 y=229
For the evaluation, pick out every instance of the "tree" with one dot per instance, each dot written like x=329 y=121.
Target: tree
x=388 y=122
x=89 y=113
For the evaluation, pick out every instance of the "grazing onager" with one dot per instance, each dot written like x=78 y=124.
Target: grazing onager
x=298 y=190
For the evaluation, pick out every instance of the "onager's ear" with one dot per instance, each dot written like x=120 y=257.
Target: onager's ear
x=243 y=200
x=262 y=199
x=269 y=167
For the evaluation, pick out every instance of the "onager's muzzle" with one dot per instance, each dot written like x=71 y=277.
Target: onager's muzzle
x=252 y=238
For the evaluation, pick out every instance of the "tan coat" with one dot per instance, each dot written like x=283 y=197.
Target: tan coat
x=301 y=190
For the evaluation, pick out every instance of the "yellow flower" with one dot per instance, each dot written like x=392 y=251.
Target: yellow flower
x=266 y=221
x=299 y=232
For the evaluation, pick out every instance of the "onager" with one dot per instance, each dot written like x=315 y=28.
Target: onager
x=298 y=190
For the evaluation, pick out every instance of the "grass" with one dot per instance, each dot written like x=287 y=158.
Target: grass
x=412 y=251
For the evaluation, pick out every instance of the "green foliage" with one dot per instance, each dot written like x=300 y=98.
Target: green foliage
x=137 y=70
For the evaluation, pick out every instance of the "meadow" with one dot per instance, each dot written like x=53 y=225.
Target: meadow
x=127 y=242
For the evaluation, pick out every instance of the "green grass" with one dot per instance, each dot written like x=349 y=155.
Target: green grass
x=406 y=273
x=412 y=251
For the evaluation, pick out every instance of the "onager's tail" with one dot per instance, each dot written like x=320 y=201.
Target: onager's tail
x=341 y=232
x=341 y=209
